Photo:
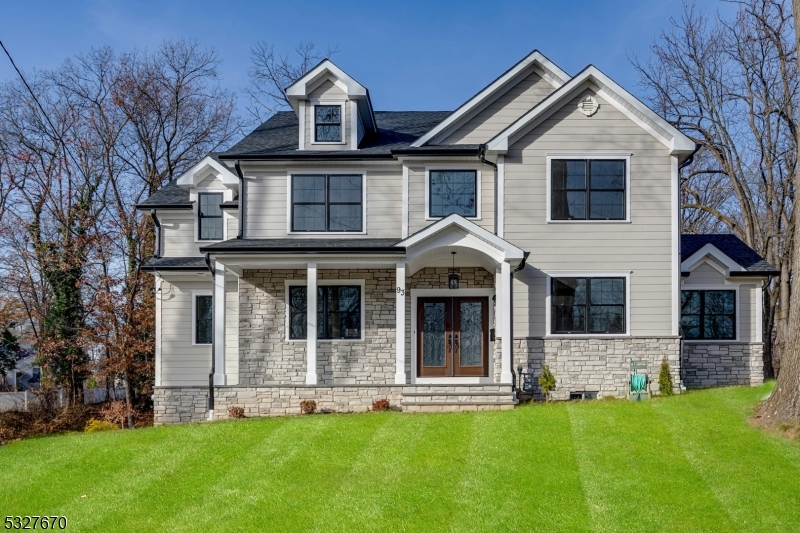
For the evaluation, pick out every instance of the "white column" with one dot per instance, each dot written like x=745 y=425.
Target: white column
x=501 y=195
x=505 y=323
x=311 y=325
x=404 y=201
x=400 y=311
x=159 y=285
x=219 y=324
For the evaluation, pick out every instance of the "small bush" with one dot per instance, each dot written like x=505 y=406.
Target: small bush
x=115 y=412
x=547 y=381
x=308 y=407
x=236 y=412
x=381 y=405
x=95 y=426
x=665 y=379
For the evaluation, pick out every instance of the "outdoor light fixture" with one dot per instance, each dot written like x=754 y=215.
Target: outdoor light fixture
x=452 y=279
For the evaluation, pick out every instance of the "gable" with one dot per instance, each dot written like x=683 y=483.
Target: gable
x=211 y=182
x=327 y=90
x=500 y=113
x=705 y=274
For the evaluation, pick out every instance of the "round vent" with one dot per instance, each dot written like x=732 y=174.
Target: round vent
x=588 y=106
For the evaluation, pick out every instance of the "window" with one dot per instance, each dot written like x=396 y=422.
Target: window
x=327 y=123
x=453 y=191
x=209 y=217
x=588 y=305
x=338 y=312
x=708 y=314
x=202 y=319
x=327 y=203
x=588 y=189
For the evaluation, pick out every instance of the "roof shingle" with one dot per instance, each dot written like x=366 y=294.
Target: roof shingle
x=731 y=246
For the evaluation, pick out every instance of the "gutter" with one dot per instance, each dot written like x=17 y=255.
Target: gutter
x=240 y=234
x=164 y=206
x=482 y=157
x=213 y=340
x=157 y=248
x=511 y=318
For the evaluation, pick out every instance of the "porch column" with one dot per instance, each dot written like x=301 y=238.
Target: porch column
x=219 y=323
x=507 y=344
x=311 y=325
x=400 y=311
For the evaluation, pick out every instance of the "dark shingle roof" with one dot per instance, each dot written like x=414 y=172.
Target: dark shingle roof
x=168 y=195
x=731 y=246
x=324 y=245
x=176 y=263
x=396 y=130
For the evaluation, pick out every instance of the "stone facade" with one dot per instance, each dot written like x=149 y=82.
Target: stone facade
x=596 y=365
x=715 y=365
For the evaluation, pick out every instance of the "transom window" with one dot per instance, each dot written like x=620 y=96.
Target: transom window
x=202 y=319
x=708 y=314
x=327 y=123
x=338 y=312
x=327 y=203
x=588 y=305
x=453 y=191
x=588 y=189
x=209 y=217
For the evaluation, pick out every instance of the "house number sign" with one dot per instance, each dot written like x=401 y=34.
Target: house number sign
x=401 y=292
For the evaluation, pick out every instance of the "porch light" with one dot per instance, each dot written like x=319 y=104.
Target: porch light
x=452 y=279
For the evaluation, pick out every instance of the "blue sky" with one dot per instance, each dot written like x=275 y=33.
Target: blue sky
x=420 y=55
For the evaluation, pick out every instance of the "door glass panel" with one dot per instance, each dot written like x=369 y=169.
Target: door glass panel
x=471 y=351
x=433 y=325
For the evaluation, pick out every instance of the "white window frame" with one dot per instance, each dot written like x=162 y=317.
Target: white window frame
x=313 y=121
x=626 y=156
x=317 y=172
x=321 y=282
x=549 y=275
x=737 y=309
x=454 y=166
x=194 y=196
x=195 y=294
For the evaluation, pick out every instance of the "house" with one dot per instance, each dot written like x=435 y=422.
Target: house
x=537 y=223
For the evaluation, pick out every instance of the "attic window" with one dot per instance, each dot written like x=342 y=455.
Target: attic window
x=327 y=123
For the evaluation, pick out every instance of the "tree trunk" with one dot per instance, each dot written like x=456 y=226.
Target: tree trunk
x=128 y=399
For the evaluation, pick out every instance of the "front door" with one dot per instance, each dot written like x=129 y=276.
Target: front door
x=453 y=336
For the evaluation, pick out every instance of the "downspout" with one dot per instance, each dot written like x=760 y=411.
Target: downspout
x=157 y=248
x=482 y=158
x=213 y=340
x=238 y=168
x=511 y=318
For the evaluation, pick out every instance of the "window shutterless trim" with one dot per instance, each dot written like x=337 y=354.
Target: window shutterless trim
x=587 y=307
x=201 y=216
x=452 y=168
x=625 y=275
x=327 y=283
x=702 y=314
x=325 y=103
x=327 y=203
x=195 y=295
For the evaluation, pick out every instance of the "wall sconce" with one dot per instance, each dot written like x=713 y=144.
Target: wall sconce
x=452 y=279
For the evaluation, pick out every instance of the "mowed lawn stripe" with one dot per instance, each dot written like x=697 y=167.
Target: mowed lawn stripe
x=634 y=474
x=738 y=462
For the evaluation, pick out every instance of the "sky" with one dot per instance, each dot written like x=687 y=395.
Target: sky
x=411 y=55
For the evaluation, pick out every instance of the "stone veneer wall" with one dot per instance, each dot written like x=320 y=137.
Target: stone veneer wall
x=596 y=365
x=715 y=365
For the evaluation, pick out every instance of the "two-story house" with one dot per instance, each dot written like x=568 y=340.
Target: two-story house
x=345 y=255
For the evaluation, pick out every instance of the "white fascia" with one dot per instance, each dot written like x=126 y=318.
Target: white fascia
x=193 y=176
x=697 y=258
x=552 y=73
x=613 y=94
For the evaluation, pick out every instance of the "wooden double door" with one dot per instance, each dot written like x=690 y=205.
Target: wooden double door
x=453 y=336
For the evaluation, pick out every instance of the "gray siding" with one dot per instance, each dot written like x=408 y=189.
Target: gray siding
x=181 y=362
x=178 y=233
x=642 y=247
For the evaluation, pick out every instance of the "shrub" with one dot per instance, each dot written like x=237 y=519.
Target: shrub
x=308 y=407
x=381 y=405
x=236 y=412
x=547 y=381
x=665 y=379
x=115 y=412
x=95 y=426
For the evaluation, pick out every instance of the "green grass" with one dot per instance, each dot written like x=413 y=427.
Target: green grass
x=689 y=463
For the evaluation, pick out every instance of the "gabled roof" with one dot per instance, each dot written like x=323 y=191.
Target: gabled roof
x=176 y=264
x=551 y=72
x=175 y=195
x=615 y=95
x=694 y=247
x=207 y=166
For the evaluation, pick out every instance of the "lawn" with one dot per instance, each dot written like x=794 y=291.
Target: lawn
x=691 y=463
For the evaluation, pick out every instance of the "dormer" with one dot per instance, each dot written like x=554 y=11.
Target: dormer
x=334 y=111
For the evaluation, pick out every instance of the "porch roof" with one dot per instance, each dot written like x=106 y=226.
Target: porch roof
x=310 y=246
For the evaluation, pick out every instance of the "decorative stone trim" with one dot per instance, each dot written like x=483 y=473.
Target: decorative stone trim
x=716 y=365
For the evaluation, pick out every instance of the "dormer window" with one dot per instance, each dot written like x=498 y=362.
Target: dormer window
x=209 y=216
x=328 y=123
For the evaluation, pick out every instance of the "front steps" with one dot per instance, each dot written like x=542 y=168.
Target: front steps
x=440 y=398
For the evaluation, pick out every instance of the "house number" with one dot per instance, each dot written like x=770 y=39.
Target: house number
x=401 y=292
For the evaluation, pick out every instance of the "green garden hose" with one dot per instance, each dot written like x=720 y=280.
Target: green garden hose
x=638 y=383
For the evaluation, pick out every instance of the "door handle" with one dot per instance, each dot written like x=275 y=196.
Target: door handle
x=450 y=343
x=456 y=344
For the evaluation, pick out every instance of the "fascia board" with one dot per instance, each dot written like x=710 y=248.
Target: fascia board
x=697 y=258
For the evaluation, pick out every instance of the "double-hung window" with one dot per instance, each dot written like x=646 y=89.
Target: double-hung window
x=202 y=319
x=587 y=305
x=327 y=203
x=587 y=189
x=338 y=312
x=209 y=217
x=708 y=315
x=328 y=123
x=453 y=191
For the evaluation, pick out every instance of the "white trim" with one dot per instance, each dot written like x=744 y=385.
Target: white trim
x=737 y=309
x=321 y=282
x=159 y=283
x=319 y=172
x=455 y=293
x=587 y=155
x=187 y=179
x=501 y=195
x=400 y=325
x=353 y=126
x=404 y=230
x=759 y=312
x=507 y=340
x=312 y=370
x=195 y=294
x=219 y=324
x=194 y=196
x=550 y=274
x=556 y=77
x=453 y=166
x=698 y=257
x=676 y=246
x=342 y=118
x=301 y=119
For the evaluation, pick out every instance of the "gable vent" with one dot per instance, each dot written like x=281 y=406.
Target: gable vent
x=588 y=106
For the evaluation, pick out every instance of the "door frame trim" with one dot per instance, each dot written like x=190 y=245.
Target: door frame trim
x=454 y=293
